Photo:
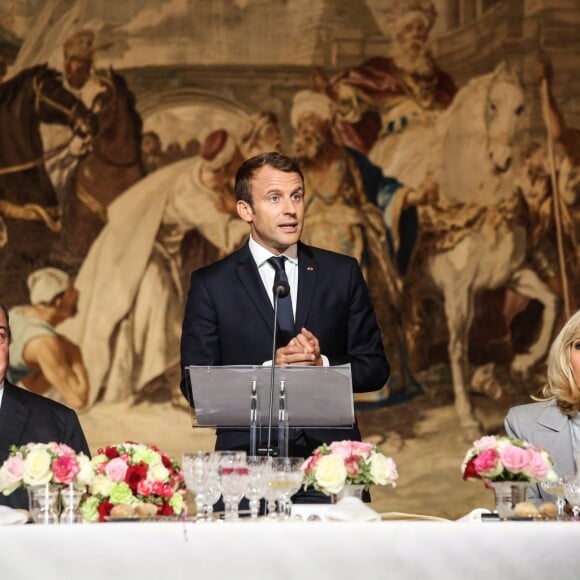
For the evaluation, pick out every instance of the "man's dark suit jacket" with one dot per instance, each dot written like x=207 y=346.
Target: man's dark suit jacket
x=228 y=321
x=29 y=418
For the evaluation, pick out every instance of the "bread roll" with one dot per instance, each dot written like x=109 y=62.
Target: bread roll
x=122 y=511
x=549 y=510
x=525 y=509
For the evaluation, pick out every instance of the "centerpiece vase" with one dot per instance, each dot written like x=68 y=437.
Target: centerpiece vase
x=507 y=495
x=355 y=490
x=43 y=503
x=71 y=498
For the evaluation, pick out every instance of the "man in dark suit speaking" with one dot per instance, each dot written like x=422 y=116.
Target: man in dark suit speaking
x=26 y=417
x=229 y=312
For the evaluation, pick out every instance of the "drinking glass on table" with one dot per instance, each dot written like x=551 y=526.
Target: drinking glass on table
x=233 y=475
x=197 y=468
x=286 y=480
x=572 y=493
x=256 y=485
x=557 y=489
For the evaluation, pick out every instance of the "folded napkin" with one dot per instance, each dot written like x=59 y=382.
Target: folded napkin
x=10 y=515
x=351 y=509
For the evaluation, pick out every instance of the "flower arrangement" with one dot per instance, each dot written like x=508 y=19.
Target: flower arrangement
x=331 y=467
x=44 y=463
x=493 y=459
x=130 y=477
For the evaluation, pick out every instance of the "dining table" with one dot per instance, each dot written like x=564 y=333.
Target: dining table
x=292 y=549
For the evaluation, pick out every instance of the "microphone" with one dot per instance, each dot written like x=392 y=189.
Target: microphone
x=281 y=289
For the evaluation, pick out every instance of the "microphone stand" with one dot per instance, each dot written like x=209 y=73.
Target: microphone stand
x=281 y=290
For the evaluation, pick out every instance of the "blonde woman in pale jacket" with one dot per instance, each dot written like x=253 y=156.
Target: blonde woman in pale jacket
x=554 y=422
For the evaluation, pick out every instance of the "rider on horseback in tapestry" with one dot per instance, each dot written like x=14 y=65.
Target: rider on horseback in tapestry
x=29 y=209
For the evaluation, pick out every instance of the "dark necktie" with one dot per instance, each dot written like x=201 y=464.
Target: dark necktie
x=285 y=315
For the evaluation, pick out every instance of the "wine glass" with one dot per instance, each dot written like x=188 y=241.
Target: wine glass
x=557 y=489
x=287 y=479
x=256 y=485
x=213 y=489
x=270 y=489
x=572 y=493
x=233 y=475
x=196 y=473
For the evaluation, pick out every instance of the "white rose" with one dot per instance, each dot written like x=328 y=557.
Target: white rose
x=86 y=475
x=383 y=469
x=157 y=472
x=101 y=486
x=37 y=469
x=330 y=473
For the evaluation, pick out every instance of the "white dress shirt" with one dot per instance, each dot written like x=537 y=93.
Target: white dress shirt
x=261 y=257
x=267 y=273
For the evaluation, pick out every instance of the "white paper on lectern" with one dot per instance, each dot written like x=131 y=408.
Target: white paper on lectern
x=315 y=396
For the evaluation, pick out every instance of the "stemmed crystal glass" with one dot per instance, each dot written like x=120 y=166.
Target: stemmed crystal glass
x=557 y=488
x=271 y=489
x=286 y=480
x=572 y=493
x=197 y=472
x=233 y=472
x=256 y=485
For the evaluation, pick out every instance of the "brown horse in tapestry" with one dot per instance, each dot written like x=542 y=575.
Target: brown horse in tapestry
x=111 y=167
x=30 y=218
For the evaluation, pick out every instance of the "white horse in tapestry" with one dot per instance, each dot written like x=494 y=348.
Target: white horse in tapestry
x=472 y=163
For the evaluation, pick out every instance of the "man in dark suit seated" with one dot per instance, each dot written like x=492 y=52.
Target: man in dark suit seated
x=229 y=312
x=29 y=418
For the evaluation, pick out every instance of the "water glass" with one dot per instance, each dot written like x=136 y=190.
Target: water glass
x=197 y=471
x=256 y=485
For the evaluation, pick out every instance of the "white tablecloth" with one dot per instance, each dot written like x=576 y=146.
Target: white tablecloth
x=309 y=550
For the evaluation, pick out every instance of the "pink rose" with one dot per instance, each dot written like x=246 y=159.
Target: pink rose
x=61 y=449
x=537 y=467
x=514 y=458
x=352 y=465
x=158 y=488
x=14 y=467
x=361 y=448
x=145 y=487
x=347 y=448
x=65 y=469
x=311 y=462
x=167 y=491
x=487 y=442
x=116 y=470
x=486 y=463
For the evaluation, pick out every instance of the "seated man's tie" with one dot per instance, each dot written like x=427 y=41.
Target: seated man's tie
x=285 y=314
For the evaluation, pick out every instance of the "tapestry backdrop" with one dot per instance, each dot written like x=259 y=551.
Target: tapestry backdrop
x=440 y=148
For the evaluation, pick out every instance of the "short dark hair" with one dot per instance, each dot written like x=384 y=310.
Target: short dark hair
x=248 y=168
x=5 y=310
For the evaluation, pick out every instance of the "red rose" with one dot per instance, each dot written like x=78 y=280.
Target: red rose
x=111 y=452
x=135 y=473
x=104 y=509
x=470 y=472
x=165 y=509
x=167 y=462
